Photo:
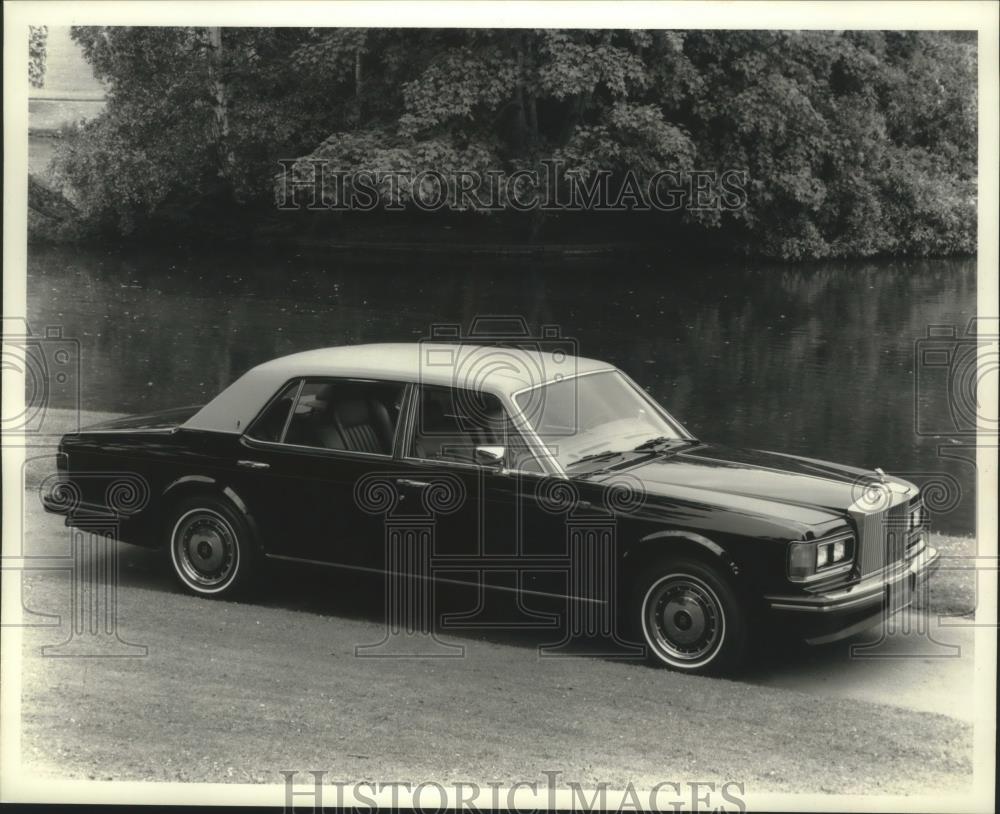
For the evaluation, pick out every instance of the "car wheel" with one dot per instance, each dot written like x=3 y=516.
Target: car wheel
x=210 y=548
x=691 y=618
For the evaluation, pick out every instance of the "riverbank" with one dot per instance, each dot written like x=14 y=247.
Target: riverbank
x=55 y=221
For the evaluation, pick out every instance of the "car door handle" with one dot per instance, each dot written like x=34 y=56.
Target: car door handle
x=416 y=484
x=253 y=464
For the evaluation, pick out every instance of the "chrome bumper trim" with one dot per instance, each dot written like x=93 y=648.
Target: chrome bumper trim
x=869 y=591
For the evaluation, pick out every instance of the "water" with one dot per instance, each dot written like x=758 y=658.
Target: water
x=819 y=360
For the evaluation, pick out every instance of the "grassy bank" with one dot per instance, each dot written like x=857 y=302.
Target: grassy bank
x=953 y=588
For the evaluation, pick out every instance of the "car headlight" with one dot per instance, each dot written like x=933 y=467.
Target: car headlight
x=814 y=559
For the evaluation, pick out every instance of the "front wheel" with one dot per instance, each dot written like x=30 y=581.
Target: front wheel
x=691 y=618
x=210 y=548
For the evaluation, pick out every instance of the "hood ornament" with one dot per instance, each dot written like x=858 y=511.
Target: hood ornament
x=881 y=475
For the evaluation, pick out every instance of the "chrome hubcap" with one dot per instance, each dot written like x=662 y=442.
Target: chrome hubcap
x=204 y=549
x=683 y=620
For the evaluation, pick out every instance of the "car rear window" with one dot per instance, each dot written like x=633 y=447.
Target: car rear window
x=270 y=425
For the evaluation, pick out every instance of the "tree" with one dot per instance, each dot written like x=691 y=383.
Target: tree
x=853 y=143
x=37 y=38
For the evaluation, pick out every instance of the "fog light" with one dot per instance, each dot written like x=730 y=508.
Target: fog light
x=839 y=551
x=822 y=555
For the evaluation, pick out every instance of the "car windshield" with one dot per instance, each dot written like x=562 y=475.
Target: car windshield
x=594 y=418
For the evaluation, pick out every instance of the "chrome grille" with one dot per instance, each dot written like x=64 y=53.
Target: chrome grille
x=882 y=538
x=899 y=520
x=872 y=528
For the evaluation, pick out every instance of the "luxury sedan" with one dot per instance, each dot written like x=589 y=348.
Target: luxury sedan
x=459 y=461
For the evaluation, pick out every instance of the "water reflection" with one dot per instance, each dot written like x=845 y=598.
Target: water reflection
x=815 y=360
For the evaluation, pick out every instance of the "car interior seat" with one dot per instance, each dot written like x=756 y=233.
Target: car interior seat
x=350 y=420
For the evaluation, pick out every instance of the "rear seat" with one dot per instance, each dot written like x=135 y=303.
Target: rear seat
x=353 y=424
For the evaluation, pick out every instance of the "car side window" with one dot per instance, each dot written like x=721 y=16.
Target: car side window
x=346 y=414
x=450 y=423
x=270 y=425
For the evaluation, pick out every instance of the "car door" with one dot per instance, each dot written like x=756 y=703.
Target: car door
x=485 y=517
x=307 y=453
x=439 y=480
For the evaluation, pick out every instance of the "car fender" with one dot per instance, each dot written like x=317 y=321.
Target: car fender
x=192 y=484
x=681 y=541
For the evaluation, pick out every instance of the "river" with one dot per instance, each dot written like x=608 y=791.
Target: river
x=824 y=360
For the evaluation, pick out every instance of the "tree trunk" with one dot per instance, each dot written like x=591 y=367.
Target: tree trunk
x=358 y=82
x=530 y=87
x=220 y=125
x=521 y=123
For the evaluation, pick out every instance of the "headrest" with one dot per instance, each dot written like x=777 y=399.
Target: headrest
x=353 y=412
x=327 y=393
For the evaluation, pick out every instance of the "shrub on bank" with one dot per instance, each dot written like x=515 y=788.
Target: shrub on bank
x=852 y=143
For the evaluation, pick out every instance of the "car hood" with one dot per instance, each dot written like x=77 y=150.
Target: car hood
x=744 y=477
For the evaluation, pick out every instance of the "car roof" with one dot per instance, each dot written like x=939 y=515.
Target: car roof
x=502 y=370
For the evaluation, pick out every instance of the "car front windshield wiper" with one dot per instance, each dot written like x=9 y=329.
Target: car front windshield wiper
x=596 y=456
x=662 y=443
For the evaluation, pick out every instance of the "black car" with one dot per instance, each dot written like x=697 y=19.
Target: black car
x=485 y=459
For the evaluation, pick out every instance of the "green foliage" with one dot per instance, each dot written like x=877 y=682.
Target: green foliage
x=853 y=143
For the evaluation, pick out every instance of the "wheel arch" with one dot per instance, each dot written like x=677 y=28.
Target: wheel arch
x=678 y=543
x=192 y=485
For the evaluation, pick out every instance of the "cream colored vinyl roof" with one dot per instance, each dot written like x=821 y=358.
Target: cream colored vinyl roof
x=499 y=370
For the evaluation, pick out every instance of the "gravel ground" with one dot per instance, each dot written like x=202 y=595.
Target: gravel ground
x=238 y=692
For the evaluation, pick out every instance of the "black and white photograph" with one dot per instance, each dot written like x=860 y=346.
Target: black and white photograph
x=531 y=405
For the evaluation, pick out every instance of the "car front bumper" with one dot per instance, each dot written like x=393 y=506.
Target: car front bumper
x=827 y=616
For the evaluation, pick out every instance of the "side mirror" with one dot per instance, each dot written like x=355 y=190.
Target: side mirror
x=490 y=456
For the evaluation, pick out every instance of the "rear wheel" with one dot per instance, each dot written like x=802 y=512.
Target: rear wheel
x=210 y=548
x=690 y=617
